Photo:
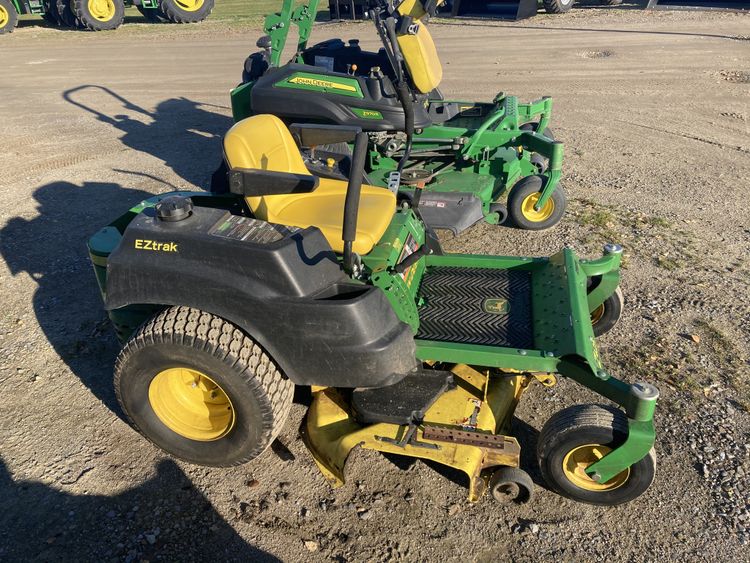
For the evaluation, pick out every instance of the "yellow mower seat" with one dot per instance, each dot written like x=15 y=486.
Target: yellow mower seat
x=264 y=142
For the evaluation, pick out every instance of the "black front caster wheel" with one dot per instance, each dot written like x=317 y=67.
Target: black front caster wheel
x=577 y=437
x=606 y=315
x=511 y=485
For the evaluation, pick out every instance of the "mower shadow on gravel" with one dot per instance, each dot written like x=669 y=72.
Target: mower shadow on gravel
x=165 y=517
x=51 y=250
x=180 y=132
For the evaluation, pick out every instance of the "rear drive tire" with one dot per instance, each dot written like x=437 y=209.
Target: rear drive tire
x=201 y=389
x=521 y=201
x=573 y=438
x=99 y=15
x=186 y=11
x=557 y=6
x=8 y=17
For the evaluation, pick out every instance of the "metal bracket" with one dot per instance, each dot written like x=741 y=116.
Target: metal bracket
x=409 y=439
x=491 y=441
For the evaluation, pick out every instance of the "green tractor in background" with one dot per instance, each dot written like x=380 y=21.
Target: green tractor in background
x=102 y=15
x=463 y=161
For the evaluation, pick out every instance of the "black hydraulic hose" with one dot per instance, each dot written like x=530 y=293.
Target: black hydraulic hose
x=351 y=203
x=403 y=93
x=404 y=97
x=390 y=27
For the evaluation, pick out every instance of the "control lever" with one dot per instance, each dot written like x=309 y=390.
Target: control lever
x=351 y=204
x=412 y=259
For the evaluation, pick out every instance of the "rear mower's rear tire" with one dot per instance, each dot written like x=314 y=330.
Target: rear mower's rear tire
x=201 y=389
x=99 y=15
x=521 y=199
x=557 y=6
x=8 y=17
x=576 y=437
x=186 y=11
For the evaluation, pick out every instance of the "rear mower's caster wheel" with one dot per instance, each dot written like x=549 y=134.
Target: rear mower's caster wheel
x=501 y=210
x=522 y=198
x=539 y=162
x=8 y=17
x=511 y=485
x=606 y=315
x=186 y=11
x=534 y=126
x=578 y=436
x=151 y=15
x=99 y=15
x=200 y=389
x=557 y=6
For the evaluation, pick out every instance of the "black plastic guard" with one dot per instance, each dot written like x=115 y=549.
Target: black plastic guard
x=402 y=403
x=453 y=211
x=282 y=286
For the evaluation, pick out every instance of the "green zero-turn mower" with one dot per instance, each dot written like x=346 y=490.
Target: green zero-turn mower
x=225 y=302
x=463 y=158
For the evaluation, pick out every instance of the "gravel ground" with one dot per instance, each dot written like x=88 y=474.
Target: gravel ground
x=653 y=109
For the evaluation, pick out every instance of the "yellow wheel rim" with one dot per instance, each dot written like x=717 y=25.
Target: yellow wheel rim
x=597 y=314
x=4 y=17
x=102 y=10
x=190 y=5
x=578 y=459
x=191 y=404
x=528 y=211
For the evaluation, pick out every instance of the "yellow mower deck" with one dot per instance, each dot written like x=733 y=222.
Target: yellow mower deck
x=478 y=410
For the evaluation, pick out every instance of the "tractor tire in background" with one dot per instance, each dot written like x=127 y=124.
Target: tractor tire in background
x=8 y=17
x=557 y=6
x=152 y=15
x=185 y=11
x=50 y=14
x=65 y=15
x=99 y=15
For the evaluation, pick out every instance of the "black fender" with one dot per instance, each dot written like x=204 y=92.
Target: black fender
x=289 y=294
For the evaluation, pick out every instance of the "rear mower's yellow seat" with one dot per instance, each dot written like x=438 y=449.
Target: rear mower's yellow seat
x=418 y=49
x=263 y=142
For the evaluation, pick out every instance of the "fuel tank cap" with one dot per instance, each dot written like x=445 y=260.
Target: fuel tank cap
x=174 y=208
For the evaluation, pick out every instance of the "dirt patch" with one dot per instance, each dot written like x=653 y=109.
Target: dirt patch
x=596 y=54
x=739 y=76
